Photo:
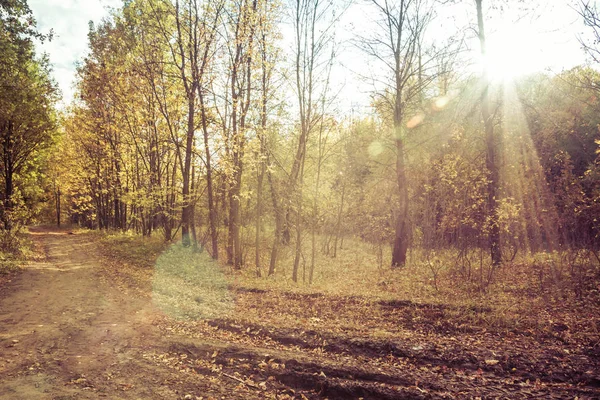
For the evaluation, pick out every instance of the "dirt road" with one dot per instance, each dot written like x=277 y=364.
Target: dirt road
x=68 y=330
x=67 y=334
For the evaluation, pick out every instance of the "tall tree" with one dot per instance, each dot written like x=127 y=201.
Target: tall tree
x=190 y=47
x=27 y=99
x=313 y=22
x=160 y=122
x=243 y=24
x=397 y=45
x=268 y=54
x=490 y=143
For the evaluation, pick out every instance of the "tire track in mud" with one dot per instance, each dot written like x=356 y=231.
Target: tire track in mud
x=574 y=368
x=518 y=362
x=307 y=376
x=318 y=377
x=419 y=339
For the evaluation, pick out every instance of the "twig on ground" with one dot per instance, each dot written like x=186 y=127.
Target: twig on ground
x=240 y=380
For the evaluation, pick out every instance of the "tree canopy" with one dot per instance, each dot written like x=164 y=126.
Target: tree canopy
x=27 y=115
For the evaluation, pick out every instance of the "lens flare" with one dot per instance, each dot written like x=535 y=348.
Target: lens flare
x=375 y=148
x=415 y=121
x=440 y=103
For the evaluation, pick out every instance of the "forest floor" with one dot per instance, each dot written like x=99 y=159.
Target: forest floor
x=80 y=323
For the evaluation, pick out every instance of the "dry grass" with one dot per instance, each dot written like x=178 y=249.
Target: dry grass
x=533 y=292
x=16 y=249
x=188 y=285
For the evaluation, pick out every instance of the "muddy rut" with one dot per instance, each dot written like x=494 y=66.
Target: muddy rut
x=69 y=331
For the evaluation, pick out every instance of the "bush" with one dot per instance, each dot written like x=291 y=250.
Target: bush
x=12 y=251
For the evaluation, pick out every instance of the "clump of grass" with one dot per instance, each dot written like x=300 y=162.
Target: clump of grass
x=184 y=284
x=190 y=285
x=8 y=263
x=128 y=247
x=15 y=250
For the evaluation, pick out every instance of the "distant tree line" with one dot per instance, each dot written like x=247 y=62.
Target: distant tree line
x=191 y=120
x=27 y=115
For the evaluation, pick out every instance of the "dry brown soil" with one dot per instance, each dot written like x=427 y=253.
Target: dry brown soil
x=68 y=330
x=66 y=333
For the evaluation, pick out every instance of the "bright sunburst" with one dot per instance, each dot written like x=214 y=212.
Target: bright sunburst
x=514 y=50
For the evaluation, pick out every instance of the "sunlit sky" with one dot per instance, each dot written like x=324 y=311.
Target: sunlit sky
x=546 y=38
x=69 y=19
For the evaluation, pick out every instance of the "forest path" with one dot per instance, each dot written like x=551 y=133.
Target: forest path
x=66 y=333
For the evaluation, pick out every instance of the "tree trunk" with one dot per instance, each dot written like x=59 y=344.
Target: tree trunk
x=193 y=212
x=212 y=212
x=235 y=222
x=298 y=248
x=261 y=174
x=8 y=192
x=313 y=238
x=7 y=156
x=490 y=156
x=58 y=207
x=186 y=210
x=278 y=223
x=401 y=234
x=338 y=223
x=298 y=252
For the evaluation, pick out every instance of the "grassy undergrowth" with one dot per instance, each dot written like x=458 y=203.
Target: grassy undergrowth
x=540 y=293
x=131 y=248
x=184 y=284
x=16 y=248
x=189 y=285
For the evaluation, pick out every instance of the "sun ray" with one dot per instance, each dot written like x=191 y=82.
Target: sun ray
x=523 y=178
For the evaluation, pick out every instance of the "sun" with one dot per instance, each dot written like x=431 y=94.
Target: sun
x=514 y=50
